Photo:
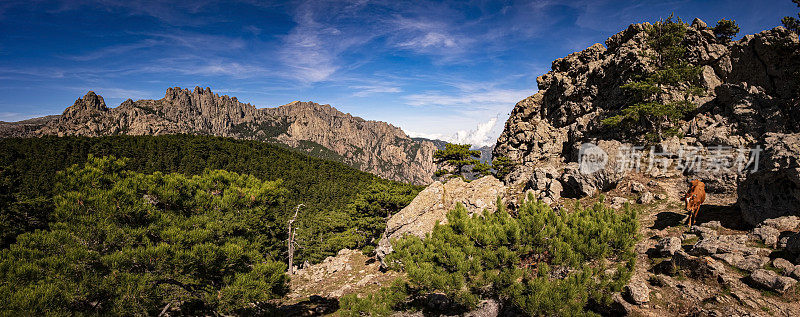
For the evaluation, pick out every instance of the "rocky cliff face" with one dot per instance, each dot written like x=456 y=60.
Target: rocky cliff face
x=751 y=89
x=372 y=146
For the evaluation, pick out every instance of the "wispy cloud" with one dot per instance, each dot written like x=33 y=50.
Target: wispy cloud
x=114 y=51
x=470 y=102
x=363 y=91
x=482 y=97
x=428 y=37
x=322 y=33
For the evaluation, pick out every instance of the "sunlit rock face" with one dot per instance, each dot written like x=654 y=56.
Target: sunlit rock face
x=751 y=89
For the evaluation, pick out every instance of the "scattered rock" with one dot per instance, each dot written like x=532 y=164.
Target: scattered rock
x=646 y=198
x=365 y=280
x=784 y=265
x=545 y=185
x=768 y=235
x=785 y=223
x=486 y=308
x=618 y=202
x=698 y=267
x=638 y=291
x=770 y=280
x=339 y=292
x=782 y=242
x=637 y=187
x=714 y=224
x=668 y=246
x=661 y=196
x=745 y=262
x=703 y=231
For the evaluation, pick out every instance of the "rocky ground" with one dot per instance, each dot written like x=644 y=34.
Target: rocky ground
x=719 y=267
x=315 y=289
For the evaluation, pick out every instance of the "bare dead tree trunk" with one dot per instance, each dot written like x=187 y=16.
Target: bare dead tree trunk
x=290 y=240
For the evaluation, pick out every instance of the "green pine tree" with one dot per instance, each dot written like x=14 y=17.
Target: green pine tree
x=726 y=30
x=453 y=158
x=651 y=111
x=792 y=23
x=127 y=243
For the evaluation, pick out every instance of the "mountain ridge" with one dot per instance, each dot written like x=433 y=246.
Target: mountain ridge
x=372 y=146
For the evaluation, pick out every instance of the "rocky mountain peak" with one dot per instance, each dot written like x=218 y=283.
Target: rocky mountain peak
x=90 y=103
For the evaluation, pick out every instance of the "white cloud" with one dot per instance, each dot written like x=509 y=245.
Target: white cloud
x=484 y=134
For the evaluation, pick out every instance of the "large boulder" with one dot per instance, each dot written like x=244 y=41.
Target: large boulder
x=595 y=168
x=770 y=280
x=544 y=184
x=432 y=204
x=774 y=190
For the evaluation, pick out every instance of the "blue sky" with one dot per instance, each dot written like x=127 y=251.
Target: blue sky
x=437 y=69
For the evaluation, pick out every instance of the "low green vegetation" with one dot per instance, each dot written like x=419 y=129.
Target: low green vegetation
x=541 y=261
x=384 y=302
x=127 y=243
x=343 y=207
x=651 y=110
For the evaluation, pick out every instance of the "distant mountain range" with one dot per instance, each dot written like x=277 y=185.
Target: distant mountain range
x=372 y=146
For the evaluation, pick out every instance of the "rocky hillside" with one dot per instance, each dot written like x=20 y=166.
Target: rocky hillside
x=750 y=92
x=742 y=258
x=372 y=146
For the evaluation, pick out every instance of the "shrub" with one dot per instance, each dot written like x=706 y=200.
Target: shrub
x=503 y=166
x=381 y=303
x=544 y=261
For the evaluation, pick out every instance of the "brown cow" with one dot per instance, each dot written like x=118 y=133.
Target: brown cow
x=694 y=198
